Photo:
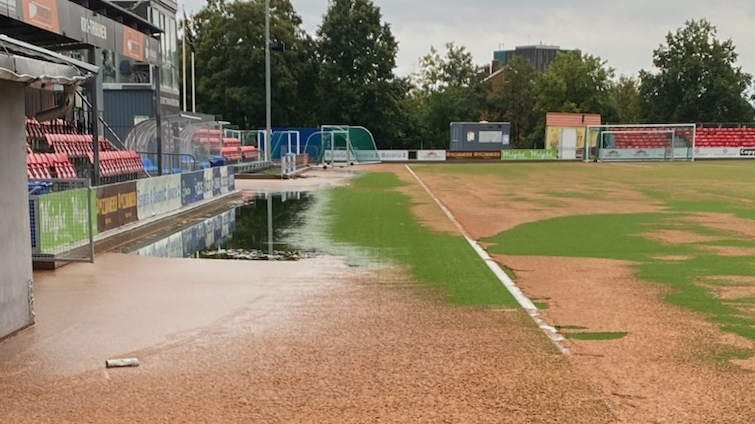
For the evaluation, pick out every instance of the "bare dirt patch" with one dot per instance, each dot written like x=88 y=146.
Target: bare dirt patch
x=679 y=237
x=727 y=222
x=665 y=369
x=483 y=203
x=730 y=250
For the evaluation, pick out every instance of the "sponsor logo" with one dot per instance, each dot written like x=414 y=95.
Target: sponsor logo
x=746 y=152
x=94 y=28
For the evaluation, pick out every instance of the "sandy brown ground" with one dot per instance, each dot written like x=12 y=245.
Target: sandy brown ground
x=664 y=370
x=286 y=342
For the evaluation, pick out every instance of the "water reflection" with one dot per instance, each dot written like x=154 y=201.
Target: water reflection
x=256 y=230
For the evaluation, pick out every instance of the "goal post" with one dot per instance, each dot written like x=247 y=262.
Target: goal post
x=347 y=145
x=640 y=142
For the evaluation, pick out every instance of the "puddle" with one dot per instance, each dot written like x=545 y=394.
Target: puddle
x=256 y=230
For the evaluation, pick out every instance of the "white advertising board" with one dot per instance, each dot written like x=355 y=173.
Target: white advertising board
x=158 y=195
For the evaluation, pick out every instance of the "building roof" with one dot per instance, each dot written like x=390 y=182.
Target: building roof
x=25 y=63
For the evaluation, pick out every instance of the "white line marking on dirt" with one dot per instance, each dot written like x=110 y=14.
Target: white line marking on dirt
x=520 y=297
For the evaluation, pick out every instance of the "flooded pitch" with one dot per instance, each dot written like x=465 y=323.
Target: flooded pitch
x=313 y=340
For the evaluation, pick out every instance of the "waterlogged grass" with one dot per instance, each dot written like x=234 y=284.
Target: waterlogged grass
x=372 y=214
x=596 y=336
x=625 y=237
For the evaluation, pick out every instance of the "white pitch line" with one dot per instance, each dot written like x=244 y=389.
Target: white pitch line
x=515 y=291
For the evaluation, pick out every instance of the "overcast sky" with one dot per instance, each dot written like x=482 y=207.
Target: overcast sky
x=623 y=32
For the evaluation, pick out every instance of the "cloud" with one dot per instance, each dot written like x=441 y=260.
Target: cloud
x=622 y=32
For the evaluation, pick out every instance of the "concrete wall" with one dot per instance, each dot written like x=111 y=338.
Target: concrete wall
x=15 y=242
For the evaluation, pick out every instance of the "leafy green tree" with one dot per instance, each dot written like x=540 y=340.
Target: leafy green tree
x=230 y=63
x=626 y=94
x=696 y=79
x=514 y=101
x=446 y=89
x=456 y=69
x=357 y=56
x=574 y=83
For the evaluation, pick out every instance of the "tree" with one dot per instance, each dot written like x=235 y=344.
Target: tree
x=626 y=93
x=357 y=55
x=514 y=101
x=455 y=69
x=447 y=88
x=574 y=83
x=230 y=55
x=696 y=79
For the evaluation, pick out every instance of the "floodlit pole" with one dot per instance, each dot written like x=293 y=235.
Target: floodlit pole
x=268 y=120
x=193 y=84
x=183 y=51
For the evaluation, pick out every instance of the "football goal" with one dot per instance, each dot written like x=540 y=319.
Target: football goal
x=344 y=145
x=640 y=142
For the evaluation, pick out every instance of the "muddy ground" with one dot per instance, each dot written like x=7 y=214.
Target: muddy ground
x=319 y=341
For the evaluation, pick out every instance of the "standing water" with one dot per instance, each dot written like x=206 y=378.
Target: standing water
x=254 y=231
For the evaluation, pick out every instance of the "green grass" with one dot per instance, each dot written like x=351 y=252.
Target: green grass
x=628 y=236
x=372 y=214
x=541 y=305
x=625 y=237
x=734 y=353
x=596 y=336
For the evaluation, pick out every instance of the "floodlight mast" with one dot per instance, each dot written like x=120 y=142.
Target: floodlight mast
x=268 y=120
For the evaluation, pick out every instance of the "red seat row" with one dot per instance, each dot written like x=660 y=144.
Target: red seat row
x=77 y=145
x=725 y=137
x=249 y=152
x=118 y=162
x=38 y=129
x=231 y=153
x=49 y=165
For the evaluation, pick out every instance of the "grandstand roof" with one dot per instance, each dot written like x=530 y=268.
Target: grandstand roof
x=25 y=63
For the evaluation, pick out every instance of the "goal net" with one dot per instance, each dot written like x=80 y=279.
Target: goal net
x=658 y=142
x=344 y=145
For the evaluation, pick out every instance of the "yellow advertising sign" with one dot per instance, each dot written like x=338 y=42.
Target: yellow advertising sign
x=553 y=137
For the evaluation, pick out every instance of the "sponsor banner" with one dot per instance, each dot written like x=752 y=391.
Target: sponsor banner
x=42 y=14
x=553 y=137
x=133 y=44
x=431 y=155
x=224 y=179
x=63 y=219
x=353 y=156
x=158 y=195
x=231 y=178
x=216 y=185
x=192 y=187
x=529 y=154
x=208 y=183
x=116 y=205
x=747 y=152
x=473 y=155
x=393 y=155
x=717 y=152
x=645 y=154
